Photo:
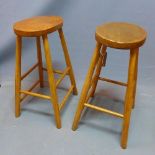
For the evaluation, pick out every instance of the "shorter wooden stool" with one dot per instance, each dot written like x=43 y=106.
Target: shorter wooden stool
x=38 y=27
x=119 y=36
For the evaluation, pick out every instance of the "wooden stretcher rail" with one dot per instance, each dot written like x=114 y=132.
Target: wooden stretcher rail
x=30 y=89
x=56 y=71
x=62 y=76
x=62 y=104
x=104 y=110
x=35 y=94
x=113 y=81
x=29 y=71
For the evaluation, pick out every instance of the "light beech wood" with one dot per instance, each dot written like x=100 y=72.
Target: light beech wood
x=121 y=36
x=29 y=71
x=36 y=94
x=56 y=71
x=51 y=80
x=104 y=110
x=18 y=75
x=40 y=64
x=29 y=90
x=86 y=86
x=62 y=76
x=113 y=81
x=62 y=104
x=129 y=97
x=38 y=26
x=135 y=84
x=98 y=69
x=67 y=59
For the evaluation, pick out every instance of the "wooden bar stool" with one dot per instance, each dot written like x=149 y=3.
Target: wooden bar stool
x=119 y=36
x=38 y=27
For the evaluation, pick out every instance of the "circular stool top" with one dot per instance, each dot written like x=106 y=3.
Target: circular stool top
x=120 y=35
x=37 y=26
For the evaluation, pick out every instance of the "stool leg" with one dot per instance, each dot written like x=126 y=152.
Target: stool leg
x=129 y=97
x=51 y=80
x=136 y=72
x=86 y=86
x=67 y=59
x=18 y=75
x=40 y=66
x=98 y=69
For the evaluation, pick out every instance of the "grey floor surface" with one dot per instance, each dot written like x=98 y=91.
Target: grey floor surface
x=34 y=132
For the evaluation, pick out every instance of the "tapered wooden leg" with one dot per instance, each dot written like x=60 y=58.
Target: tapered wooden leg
x=18 y=75
x=86 y=86
x=40 y=66
x=129 y=97
x=98 y=69
x=52 y=83
x=67 y=59
x=136 y=72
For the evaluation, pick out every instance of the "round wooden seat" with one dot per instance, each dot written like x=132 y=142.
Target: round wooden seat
x=120 y=35
x=37 y=26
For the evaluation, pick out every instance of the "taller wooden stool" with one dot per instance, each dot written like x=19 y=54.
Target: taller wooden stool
x=119 y=36
x=39 y=27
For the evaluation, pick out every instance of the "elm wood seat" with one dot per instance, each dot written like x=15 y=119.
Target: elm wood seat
x=39 y=27
x=120 y=36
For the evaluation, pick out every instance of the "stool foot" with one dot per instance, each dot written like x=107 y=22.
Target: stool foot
x=17 y=114
x=67 y=60
x=86 y=86
x=52 y=83
x=129 y=98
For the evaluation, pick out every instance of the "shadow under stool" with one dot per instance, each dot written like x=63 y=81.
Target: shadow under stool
x=40 y=27
x=116 y=35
